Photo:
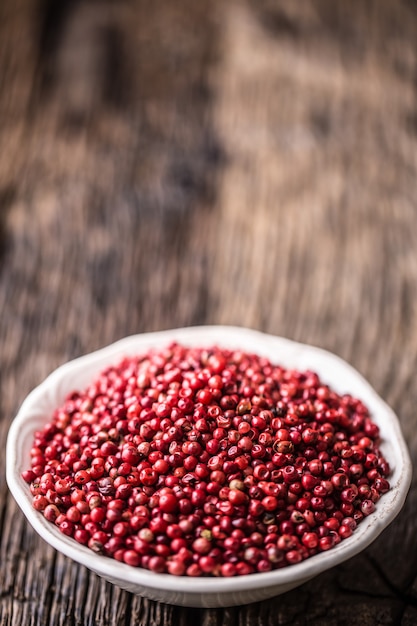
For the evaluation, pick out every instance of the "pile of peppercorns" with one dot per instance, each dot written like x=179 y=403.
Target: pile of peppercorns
x=207 y=462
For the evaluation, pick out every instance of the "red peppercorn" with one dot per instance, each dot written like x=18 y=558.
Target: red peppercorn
x=176 y=567
x=269 y=503
x=63 y=486
x=131 y=557
x=148 y=476
x=327 y=542
x=310 y=540
x=40 y=502
x=66 y=527
x=28 y=476
x=237 y=497
x=168 y=503
x=82 y=536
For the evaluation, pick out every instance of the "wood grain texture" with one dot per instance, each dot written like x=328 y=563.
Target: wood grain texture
x=171 y=164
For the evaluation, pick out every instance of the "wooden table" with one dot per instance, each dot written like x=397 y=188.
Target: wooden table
x=173 y=164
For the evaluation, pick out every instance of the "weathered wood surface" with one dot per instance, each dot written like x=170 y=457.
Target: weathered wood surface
x=181 y=163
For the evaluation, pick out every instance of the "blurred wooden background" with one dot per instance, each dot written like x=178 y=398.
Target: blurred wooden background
x=171 y=164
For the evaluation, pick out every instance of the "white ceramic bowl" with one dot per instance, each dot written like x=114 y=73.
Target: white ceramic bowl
x=208 y=592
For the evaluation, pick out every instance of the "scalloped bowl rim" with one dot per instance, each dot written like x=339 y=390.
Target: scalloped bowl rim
x=281 y=351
